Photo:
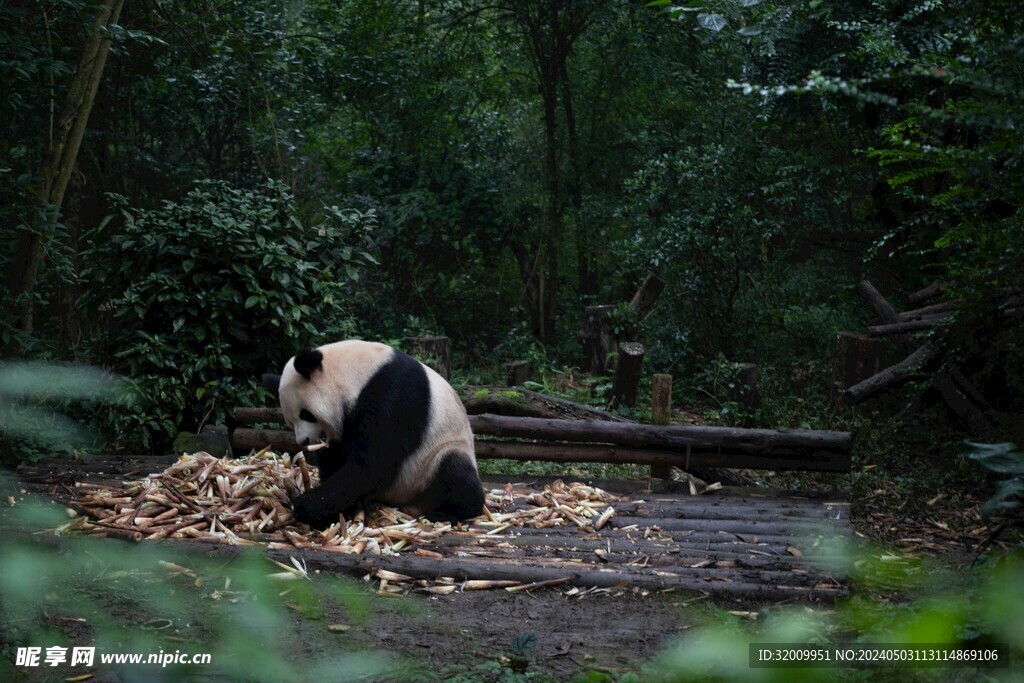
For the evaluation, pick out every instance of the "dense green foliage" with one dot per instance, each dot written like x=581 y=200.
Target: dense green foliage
x=520 y=160
x=201 y=291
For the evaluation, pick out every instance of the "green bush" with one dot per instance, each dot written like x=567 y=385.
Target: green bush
x=201 y=295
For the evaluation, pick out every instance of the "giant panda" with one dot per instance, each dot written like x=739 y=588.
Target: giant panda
x=397 y=433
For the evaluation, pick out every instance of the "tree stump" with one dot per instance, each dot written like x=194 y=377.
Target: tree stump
x=627 y=374
x=858 y=357
x=433 y=351
x=518 y=372
x=661 y=414
x=598 y=338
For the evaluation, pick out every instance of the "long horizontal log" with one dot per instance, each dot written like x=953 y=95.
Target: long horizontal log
x=250 y=416
x=918 y=313
x=934 y=289
x=426 y=568
x=563 y=452
x=782 y=443
x=243 y=439
x=889 y=378
x=927 y=323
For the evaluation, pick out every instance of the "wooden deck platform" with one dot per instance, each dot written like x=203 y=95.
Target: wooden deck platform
x=757 y=544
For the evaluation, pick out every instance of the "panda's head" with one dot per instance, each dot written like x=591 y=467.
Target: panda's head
x=309 y=405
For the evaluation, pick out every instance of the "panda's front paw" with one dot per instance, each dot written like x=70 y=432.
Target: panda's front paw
x=315 y=510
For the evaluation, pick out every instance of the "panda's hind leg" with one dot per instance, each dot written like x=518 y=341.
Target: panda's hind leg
x=455 y=493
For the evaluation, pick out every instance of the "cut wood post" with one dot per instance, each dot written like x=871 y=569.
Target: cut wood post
x=627 y=374
x=433 y=351
x=597 y=338
x=518 y=372
x=889 y=378
x=661 y=414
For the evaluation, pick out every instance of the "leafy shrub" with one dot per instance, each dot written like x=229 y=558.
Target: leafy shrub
x=1006 y=506
x=203 y=294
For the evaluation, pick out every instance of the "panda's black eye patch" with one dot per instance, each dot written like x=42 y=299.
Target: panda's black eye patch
x=306 y=416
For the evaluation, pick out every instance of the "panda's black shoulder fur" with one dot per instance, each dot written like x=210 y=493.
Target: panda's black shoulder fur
x=390 y=416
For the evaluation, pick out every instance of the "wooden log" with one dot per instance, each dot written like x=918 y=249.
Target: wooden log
x=518 y=372
x=878 y=303
x=925 y=311
x=778 y=586
x=727 y=440
x=889 y=378
x=646 y=295
x=826 y=459
x=627 y=374
x=597 y=338
x=934 y=289
x=433 y=351
x=244 y=440
x=905 y=327
x=661 y=414
x=689 y=461
x=254 y=415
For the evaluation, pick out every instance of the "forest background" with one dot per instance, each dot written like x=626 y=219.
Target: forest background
x=256 y=176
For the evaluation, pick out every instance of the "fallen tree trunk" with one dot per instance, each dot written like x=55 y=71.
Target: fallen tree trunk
x=878 y=303
x=696 y=458
x=925 y=311
x=889 y=378
x=643 y=301
x=727 y=440
x=243 y=440
x=908 y=326
x=934 y=289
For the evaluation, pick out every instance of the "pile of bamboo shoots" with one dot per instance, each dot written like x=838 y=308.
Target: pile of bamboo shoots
x=248 y=501
x=200 y=495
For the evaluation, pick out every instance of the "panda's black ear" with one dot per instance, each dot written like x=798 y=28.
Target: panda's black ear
x=308 y=361
x=271 y=382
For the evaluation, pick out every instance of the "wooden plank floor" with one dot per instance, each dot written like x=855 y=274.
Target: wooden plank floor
x=759 y=544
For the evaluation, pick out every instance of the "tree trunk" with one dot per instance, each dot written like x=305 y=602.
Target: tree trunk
x=597 y=338
x=60 y=160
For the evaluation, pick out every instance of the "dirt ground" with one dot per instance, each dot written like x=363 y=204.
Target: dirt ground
x=423 y=637
x=606 y=632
